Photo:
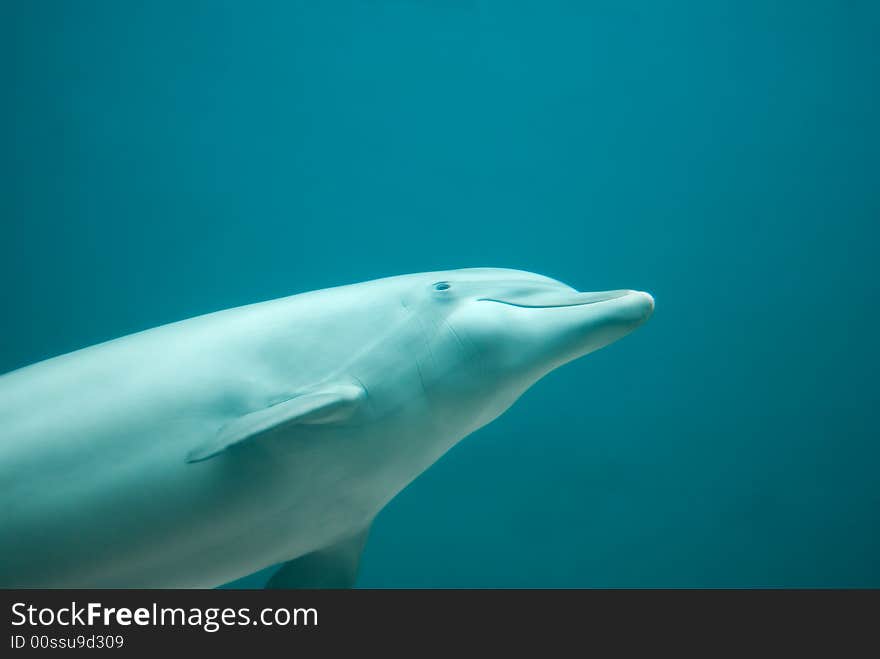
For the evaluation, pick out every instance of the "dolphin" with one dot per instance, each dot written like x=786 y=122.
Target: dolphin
x=199 y=452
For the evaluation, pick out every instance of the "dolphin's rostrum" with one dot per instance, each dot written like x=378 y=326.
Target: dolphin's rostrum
x=199 y=452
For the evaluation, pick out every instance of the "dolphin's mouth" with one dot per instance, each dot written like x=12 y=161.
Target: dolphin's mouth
x=556 y=299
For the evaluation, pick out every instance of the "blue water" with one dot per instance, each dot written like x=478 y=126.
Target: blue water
x=166 y=159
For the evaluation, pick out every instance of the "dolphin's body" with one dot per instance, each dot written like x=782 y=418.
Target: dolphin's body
x=199 y=452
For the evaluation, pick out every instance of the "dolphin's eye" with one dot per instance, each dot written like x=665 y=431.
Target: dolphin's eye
x=441 y=286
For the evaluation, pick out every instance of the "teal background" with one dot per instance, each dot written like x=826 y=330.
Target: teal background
x=165 y=159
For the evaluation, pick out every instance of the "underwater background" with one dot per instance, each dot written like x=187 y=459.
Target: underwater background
x=166 y=159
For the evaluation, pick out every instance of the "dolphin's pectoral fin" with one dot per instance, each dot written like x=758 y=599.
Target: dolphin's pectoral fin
x=325 y=405
x=332 y=567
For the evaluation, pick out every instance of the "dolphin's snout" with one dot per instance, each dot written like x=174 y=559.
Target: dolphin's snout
x=645 y=302
x=552 y=298
x=637 y=305
x=632 y=309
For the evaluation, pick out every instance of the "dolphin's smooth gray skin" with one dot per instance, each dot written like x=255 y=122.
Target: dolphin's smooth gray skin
x=199 y=452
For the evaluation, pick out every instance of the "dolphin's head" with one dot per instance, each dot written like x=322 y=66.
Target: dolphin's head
x=521 y=320
x=515 y=327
